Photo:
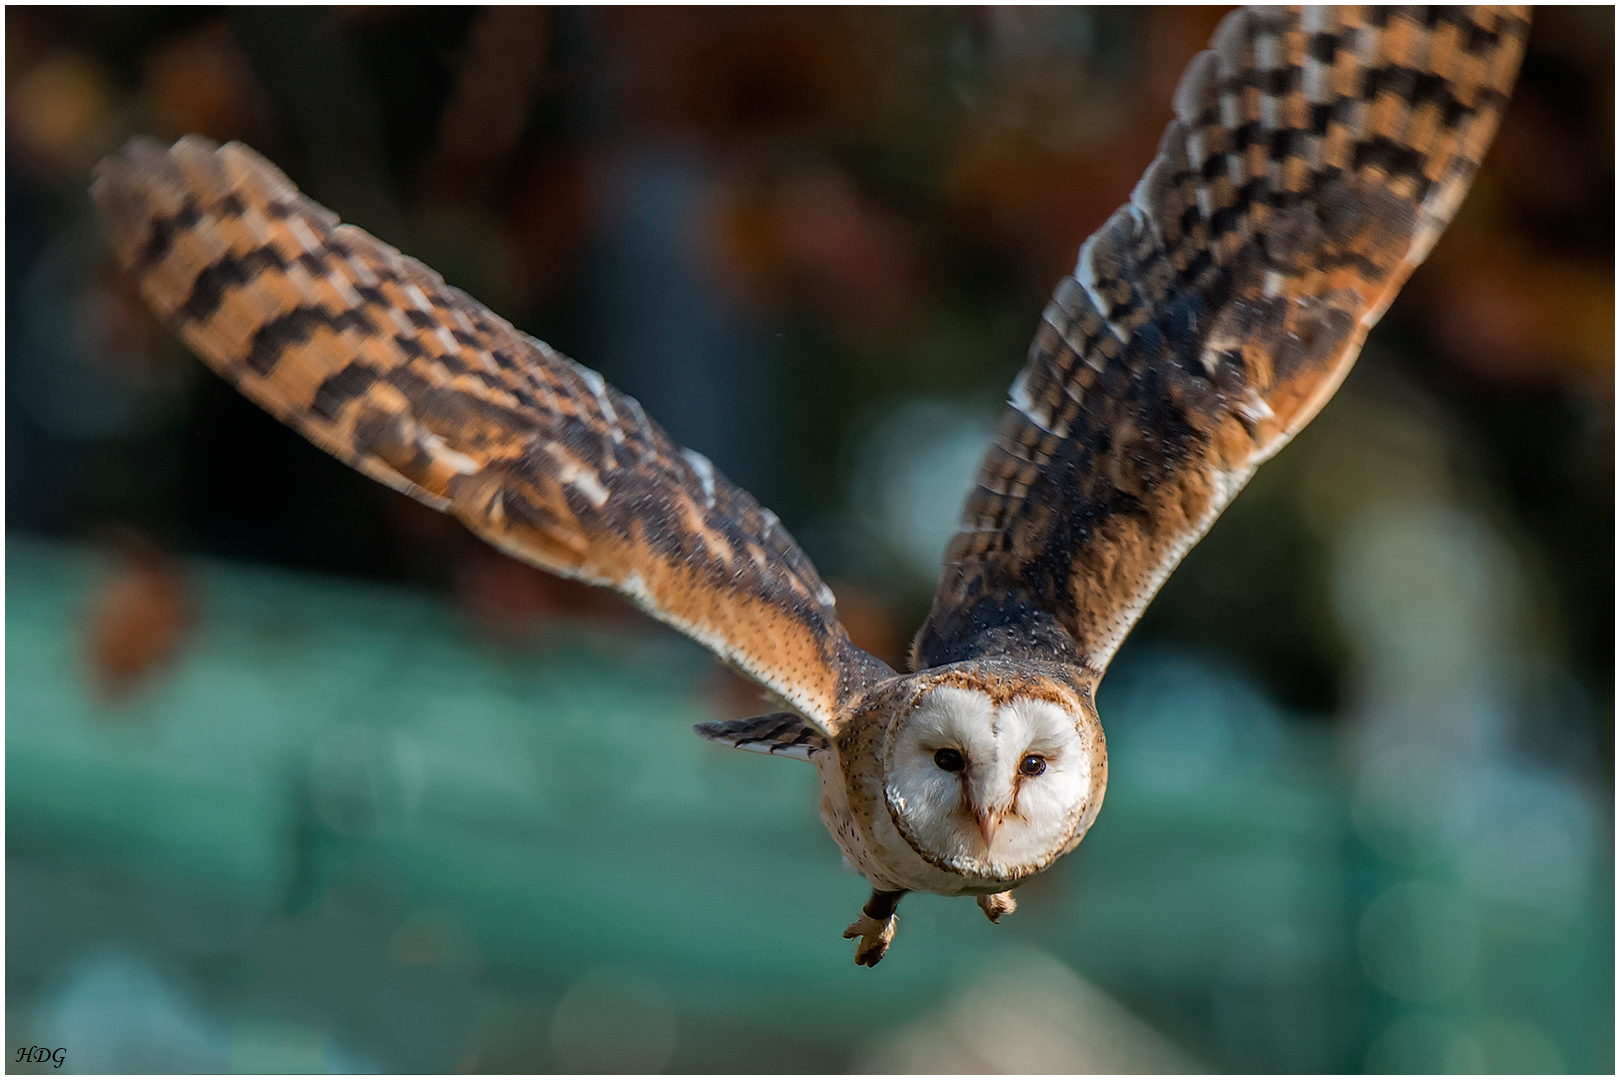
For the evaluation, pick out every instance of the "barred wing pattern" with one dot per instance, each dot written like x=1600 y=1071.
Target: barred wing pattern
x=376 y=360
x=1315 y=157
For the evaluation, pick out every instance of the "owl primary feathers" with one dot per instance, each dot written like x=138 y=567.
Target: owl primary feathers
x=1314 y=157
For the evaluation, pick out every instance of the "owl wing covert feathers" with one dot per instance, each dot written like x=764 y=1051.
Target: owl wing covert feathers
x=1314 y=158
x=373 y=358
x=777 y=734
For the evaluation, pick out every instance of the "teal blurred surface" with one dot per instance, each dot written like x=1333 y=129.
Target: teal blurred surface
x=344 y=832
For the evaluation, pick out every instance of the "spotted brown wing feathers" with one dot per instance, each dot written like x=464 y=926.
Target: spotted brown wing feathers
x=375 y=359
x=1315 y=156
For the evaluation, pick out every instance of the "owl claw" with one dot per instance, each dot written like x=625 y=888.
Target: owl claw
x=997 y=905
x=875 y=927
x=875 y=935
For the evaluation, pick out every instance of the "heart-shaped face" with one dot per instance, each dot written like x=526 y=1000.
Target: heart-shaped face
x=996 y=791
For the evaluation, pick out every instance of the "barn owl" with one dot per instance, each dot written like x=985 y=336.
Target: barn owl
x=1313 y=159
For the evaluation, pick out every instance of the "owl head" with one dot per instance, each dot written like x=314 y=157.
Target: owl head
x=993 y=783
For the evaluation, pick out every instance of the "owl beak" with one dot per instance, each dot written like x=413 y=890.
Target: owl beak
x=989 y=822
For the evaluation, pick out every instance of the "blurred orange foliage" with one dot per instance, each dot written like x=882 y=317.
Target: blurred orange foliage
x=138 y=621
x=57 y=111
x=202 y=82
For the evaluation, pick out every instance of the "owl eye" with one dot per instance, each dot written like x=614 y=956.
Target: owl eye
x=1032 y=765
x=949 y=760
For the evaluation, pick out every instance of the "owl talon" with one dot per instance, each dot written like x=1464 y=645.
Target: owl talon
x=875 y=927
x=875 y=935
x=996 y=905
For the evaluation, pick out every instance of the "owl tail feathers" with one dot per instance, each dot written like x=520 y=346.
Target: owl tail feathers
x=778 y=734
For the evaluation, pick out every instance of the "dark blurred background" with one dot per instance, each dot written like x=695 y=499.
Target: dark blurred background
x=301 y=777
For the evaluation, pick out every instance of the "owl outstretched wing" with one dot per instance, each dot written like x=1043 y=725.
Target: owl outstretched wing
x=1314 y=158
x=373 y=358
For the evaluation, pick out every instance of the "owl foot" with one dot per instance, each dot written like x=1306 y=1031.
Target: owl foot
x=997 y=905
x=875 y=936
x=875 y=927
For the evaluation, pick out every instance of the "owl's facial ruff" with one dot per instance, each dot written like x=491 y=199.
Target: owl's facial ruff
x=993 y=789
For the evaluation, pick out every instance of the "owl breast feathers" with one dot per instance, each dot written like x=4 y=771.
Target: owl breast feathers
x=1314 y=158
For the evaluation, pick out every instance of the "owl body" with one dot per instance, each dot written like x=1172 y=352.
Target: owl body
x=1314 y=157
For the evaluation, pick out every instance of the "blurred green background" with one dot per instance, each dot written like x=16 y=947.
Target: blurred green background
x=301 y=777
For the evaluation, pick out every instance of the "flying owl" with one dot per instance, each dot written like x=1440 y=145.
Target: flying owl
x=1314 y=157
